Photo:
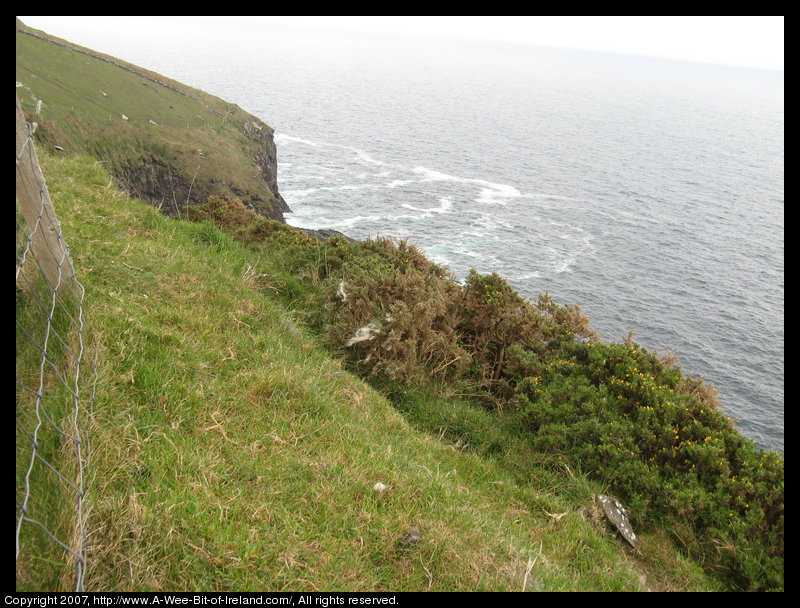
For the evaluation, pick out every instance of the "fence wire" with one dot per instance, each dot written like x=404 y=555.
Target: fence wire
x=55 y=391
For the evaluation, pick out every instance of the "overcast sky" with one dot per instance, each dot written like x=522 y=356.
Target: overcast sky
x=743 y=41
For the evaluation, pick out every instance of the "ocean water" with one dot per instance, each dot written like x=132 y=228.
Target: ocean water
x=647 y=191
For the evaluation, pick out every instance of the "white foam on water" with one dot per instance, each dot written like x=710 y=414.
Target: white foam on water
x=480 y=235
x=588 y=246
x=361 y=155
x=563 y=265
x=497 y=194
x=353 y=187
x=310 y=177
x=459 y=256
x=283 y=138
x=557 y=261
x=569 y=242
x=318 y=222
x=349 y=222
x=444 y=207
x=288 y=194
x=401 y=182
x=526 y=276
x=299 y=220
x=293 y=194
x=429 y=175
x=366 y=158
x=491 y=193
x=490 y=222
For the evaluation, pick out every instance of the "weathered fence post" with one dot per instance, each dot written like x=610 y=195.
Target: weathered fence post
x=46 y=244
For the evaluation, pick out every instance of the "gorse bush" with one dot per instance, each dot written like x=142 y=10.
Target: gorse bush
x=495 y=320
x=233 y=217
x=625 y=416
x=406 y=307
x=417 y=321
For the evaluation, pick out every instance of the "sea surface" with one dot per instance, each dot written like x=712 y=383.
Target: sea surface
x=650 y=192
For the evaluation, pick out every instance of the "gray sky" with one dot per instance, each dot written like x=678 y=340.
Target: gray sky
x=743 y=41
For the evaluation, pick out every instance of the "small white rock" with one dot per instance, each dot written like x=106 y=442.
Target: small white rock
x=379 y=487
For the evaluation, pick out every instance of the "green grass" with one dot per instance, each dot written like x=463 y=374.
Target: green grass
x=232 y=452
x=198 y=141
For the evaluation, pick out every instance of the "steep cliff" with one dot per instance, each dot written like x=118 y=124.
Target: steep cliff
x=162 y=141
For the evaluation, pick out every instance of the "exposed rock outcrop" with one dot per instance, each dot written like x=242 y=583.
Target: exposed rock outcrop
x=265 y=157
x=325 y=234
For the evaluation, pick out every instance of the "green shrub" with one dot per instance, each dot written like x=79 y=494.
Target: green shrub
x=404 y=305
x=635 y=423
x=507 y=335
x=243 y=224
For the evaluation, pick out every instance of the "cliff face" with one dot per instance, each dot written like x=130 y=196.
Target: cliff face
x=162 y=141
x=265 y=157
x=163 y=184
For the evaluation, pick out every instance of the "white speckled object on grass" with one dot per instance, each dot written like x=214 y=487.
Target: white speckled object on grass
x=618 y=515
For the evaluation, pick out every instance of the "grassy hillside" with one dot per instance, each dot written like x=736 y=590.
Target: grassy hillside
x=160 y=139
x=528 y=385
x=231 y=452
x=255 y=384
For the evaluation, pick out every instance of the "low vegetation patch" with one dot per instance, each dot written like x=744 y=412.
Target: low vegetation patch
x=627 y=417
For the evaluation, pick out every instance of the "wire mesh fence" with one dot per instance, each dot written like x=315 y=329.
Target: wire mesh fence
x=56 y=375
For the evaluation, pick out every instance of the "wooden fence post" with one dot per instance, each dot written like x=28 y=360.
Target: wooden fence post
x=44 y=231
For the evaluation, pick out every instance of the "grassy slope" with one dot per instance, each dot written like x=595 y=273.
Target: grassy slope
x=85 y=95
x=231 y=452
